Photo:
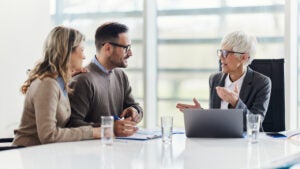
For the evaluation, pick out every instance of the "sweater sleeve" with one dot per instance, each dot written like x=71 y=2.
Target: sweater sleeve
x=129 y=100
x=46 y=101
x=80 y=100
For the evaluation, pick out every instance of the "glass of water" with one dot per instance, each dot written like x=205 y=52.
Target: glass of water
x=107 y=130
x=167 y=129
x=253 y=126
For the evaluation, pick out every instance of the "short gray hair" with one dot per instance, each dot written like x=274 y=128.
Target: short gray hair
x=239 y=41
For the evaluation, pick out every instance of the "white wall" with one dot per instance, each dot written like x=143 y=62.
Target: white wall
x=24 y=26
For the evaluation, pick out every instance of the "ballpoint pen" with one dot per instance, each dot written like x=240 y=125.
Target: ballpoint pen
x=117 y=118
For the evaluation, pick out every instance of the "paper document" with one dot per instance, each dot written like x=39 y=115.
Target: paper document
x=291 y=133
x=285 y=134
x=147 y=134
x=285 y=162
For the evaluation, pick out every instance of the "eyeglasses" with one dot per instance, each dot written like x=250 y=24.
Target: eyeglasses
x=126 y=47
x=224 y=53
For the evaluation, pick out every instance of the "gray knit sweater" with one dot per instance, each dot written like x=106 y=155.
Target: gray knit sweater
x=97 y=93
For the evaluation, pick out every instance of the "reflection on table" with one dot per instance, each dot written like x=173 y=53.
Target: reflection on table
x=153 y=154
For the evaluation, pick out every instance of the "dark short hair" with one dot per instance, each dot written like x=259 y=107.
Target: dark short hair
x=109 y=32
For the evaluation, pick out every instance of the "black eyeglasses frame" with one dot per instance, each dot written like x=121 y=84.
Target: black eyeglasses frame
x=126 y=47
x=224 y=53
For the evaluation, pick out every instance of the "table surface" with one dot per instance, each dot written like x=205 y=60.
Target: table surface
x=153 y=154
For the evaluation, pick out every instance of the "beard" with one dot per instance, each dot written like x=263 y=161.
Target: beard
x=121 y=63
x=117 y=61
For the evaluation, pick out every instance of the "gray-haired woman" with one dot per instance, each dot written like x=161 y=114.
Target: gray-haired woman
x=237 y=86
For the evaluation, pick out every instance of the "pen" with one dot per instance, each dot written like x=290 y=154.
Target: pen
x=117 y=118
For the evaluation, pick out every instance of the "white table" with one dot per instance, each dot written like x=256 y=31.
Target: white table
x=182 y=153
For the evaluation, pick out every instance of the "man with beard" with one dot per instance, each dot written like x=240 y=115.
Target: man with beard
x=105 y=90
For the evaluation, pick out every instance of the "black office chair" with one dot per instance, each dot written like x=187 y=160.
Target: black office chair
x=274 y=120
x=8 y=140
x=273 y=68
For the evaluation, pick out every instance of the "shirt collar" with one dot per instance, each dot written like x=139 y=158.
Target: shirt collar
x=100 y=66
x=228 y=82
x=61 y=84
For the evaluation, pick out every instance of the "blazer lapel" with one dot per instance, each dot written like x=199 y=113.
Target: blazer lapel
x=246 y=86
x=221 y=83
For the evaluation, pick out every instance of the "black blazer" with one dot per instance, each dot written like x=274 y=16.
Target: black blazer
x=254 y=94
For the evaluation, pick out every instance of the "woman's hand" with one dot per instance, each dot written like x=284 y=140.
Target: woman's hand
x=181 y=106
x=96 y=132
x=76 y=72
x=229 y=96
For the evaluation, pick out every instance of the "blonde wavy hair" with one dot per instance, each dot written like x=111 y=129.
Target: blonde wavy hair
x=58 y=46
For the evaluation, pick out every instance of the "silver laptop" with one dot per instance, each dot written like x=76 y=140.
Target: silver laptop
x=213 y=123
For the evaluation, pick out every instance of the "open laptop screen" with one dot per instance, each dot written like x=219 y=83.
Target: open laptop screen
x=213 y=123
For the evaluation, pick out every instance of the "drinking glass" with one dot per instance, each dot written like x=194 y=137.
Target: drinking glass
x=253 y=126
x=107 y=130
x=166 y=129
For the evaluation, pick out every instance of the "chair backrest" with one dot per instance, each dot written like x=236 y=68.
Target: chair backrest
x=8 y=140
x=2 y=148
x=274 y=120
x=273 y=68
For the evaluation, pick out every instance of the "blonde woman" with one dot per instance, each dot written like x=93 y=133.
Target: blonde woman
x=46 y=108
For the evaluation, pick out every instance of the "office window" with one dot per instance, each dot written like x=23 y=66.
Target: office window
x=189 y=33
x=87 y=16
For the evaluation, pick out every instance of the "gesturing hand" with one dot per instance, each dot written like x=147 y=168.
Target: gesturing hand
x=181 y=106
x=229 y=96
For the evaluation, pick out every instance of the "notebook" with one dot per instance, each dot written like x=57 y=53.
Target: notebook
x=147 y=134
x=213 y=123
x=142 y=134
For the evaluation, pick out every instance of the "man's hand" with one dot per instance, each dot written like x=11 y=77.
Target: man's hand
x=132 y=113
x=124 y=128
x=181 y=106
x=229 y=96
